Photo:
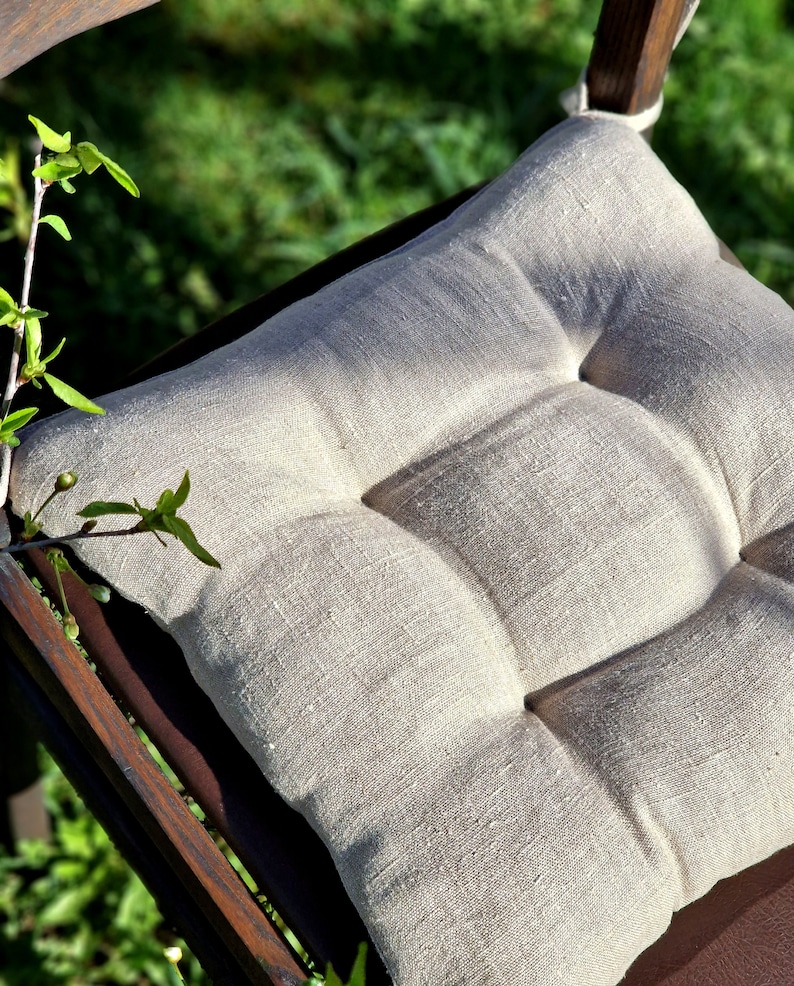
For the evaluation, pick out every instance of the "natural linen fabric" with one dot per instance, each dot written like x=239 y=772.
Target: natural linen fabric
x=542 y=454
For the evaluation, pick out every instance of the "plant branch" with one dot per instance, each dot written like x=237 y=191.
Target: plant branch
x=12 y=385
x=39 y=189
x=77 y=536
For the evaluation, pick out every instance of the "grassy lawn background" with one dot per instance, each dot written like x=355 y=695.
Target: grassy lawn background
x=266 y=134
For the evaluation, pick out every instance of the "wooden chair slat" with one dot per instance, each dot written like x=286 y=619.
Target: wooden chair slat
x=119 y=770
x=739 y=934
x=30 y=27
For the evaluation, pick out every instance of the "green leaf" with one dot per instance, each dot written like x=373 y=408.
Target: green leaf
x=52 y=140
x=54 y=353
x=67 y=186
x=31 y=528
x=10 y=312
x=88 y=155
x=15 y=421
x=71 y=396
x=169 y=502
x=88 y=152
x=163 y=506
x=359 y=967
x=6 y=299
x=52 y=171
x=36 y=313
x=33 y=340
x=357 y=973
x=121 y=176
x=30 y=371
x=66 y=907
x=68 y=160
x=181 y=530
x=181 y=494
x=100 y=508
x=58 y=225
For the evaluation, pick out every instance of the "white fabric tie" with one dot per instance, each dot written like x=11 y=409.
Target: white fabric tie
x=575 y=101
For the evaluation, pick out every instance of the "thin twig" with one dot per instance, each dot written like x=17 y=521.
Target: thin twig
x=77 y=536
x=39 y=190
x=12 y=383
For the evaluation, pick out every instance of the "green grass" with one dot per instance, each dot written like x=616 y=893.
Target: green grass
x=727 y=133
x=72 y=913
x=266 y=134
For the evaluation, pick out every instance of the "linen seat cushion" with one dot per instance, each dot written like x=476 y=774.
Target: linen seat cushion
x=506 y=521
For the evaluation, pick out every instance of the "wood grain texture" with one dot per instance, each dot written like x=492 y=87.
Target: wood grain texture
x=30 y=27
x=631 y=52
x=174 y=839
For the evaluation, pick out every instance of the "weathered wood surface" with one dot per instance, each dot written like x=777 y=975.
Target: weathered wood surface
x=226 y=927
x=30 y=27
x=631 y=52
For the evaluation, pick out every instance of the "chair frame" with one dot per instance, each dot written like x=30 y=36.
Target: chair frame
x=84 y=714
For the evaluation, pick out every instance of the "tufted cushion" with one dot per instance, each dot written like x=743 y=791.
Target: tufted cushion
x=506 y=522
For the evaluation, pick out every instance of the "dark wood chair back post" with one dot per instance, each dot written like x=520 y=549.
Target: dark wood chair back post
x=631 y=52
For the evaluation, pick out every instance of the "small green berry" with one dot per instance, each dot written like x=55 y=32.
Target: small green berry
x=174 y=956
x=65 y=481
x=70 y=627
x=100 y=592
x=54 y=556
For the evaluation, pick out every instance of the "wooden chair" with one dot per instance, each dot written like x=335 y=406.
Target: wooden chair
x=738 y=935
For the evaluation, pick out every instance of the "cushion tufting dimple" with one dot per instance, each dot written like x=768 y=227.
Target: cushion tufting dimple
x=506 y=607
